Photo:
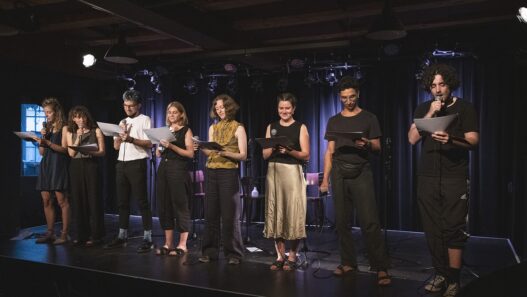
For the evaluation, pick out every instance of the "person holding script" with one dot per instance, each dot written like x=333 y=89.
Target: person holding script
x=285 y=190
x=346 y=163
x=85 y=190
x=442 y=189
x=222 y=190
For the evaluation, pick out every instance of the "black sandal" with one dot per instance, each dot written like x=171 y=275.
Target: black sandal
x=380 y=279
x=277 y=265
x=163 y=251
x=340 y=271
x=290 y=265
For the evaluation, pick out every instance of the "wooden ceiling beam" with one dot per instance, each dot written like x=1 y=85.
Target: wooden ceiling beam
x=366 y=10
x=155 y=22
x=229 y=4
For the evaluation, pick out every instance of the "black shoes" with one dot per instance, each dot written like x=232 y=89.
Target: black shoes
x=145 y=247
x=116 y=243
x=234 y=261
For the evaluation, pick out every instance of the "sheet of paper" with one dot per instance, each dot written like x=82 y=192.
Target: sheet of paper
x=210 y=145
x=432 y=125
x=156 y=134
x=109 y=129
x=274 y=141
x=26 y=135
x=85 y=148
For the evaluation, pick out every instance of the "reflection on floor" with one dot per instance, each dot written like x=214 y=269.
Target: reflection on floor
x=73 y=271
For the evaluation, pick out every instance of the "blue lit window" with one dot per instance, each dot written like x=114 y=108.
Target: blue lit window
x=32 y=118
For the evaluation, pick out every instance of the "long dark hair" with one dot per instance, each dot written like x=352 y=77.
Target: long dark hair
x=83 y=112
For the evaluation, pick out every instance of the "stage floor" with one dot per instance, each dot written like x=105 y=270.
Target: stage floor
x=66 y=270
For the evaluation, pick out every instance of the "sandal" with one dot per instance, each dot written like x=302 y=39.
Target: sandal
x=163 y=251
x=342 y=271
x=277 y=265
x=180 y=251
x=384 y=280
x=289 y=265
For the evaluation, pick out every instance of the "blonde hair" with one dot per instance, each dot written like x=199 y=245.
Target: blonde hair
x=183 y=119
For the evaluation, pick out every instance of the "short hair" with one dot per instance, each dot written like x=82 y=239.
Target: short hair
x=287 y=97
x=231 y=107
x=81 y=111
x=132 y=95
x=447 y=72
x=183 y=119
x=58 y=112
x=348 y=82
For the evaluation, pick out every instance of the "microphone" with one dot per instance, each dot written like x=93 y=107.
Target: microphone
x=47 y=126
x=273 y=132
x=196 y=155
x=438 y=98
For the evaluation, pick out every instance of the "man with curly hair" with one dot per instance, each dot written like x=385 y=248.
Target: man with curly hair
x=442 y=184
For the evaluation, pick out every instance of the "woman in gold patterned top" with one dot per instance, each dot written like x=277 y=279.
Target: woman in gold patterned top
x=222 y=193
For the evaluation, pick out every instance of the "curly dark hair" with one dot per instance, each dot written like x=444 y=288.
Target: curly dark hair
x=231 y=107
x=446 y=71
x=348 y=82
x=80 y=111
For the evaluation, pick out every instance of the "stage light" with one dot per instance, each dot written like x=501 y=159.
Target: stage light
x=88 y=60
x=120 y=52
x=331 y=78
x=191 y=87
x=522 y=14
x=230 y=68
x=212 y=85
x=387 y=26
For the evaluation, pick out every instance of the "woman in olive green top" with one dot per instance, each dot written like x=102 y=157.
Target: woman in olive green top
x=222 y=193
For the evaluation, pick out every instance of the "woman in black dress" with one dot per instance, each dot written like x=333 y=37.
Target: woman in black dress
x=85 y=190
x=53 y=176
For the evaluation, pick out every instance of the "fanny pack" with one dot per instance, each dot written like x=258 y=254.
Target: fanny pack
x=349 y=170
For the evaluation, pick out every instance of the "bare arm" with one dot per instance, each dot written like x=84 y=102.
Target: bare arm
x=413 y=135
x=469 y=141
x=266 y=153
x=100 y=144
x=328 y=164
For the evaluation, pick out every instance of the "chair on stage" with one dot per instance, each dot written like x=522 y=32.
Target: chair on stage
x=197 y=199
x=315 y=197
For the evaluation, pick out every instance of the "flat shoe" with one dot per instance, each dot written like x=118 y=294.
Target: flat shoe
x=381 y=280
x=163 y=251
x=290 y=265
x=180 y=251
x=340 y=271
x=277 y=265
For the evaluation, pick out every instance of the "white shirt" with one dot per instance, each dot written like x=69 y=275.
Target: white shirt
x=137 y=125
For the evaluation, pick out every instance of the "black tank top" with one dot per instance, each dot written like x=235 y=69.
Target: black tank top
x=179 y=142
x=292 y=132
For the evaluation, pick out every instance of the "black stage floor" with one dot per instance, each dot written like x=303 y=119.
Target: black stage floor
x=29 y=269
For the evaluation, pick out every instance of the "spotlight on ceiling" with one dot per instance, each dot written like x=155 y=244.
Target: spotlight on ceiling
x=297 y=63
x=522 y=14
x=331 y=78
x=387 y=26
x=230 y=68
x=191 y=87
x=212 y=85
x=88 y=60
x=120 y=52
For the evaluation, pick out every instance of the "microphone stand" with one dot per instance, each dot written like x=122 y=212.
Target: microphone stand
x=195 y=161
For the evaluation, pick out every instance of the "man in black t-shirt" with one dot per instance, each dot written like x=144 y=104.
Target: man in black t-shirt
x=346 y=160
x=442 y=191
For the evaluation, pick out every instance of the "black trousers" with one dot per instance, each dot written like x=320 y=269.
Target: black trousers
x=222 y=213
x=173 y=193
x=359 y=193
x=443 y=204
x=86 y=199
x=130 y=177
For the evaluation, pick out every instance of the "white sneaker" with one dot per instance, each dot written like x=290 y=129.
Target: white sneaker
x=451 y=290
x=436 y=284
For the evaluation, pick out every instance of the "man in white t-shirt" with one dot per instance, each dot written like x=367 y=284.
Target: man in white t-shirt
x=130 y=171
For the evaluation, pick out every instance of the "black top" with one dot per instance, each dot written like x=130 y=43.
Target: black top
x=447 y=160
x=345 y=149
x=53 y=174
x=179 y=142
x=292 y=132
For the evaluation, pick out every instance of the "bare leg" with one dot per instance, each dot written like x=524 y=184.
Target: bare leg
x=64 y=204
x=169 y=238
x=294 y=250
x=49 y=210
x=455 y=258
x=183 y=241
x=279 y=245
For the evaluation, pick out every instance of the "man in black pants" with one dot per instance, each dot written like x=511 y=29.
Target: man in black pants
x=442 y=191
x=346 y=159
x=130 y=171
